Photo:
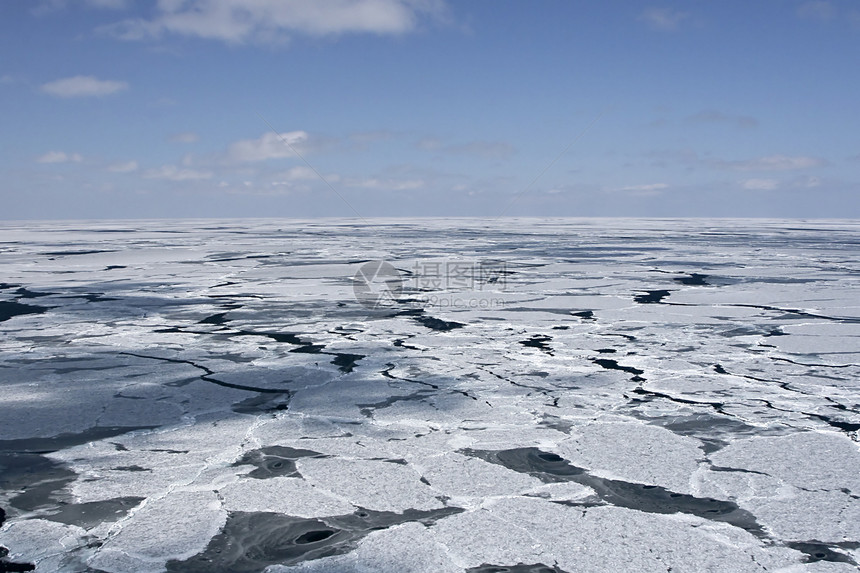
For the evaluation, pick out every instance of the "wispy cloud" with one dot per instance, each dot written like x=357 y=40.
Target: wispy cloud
x=110 y=4
x=386 y=184
x=816 y=10
x=691 y=160
x=174 y=173
x=760 y=184
x=45 y=7
x=302 y=173
x=773 y=163
x=237 y=21
x=163 y=102
x=126 y=167
x=60 y=157
x=645 y=187
x=811 y=182
x=484 y=149
x=663 y=18
x=269 y=146
x=362 y=140
x=365 y=137
x=714 y=116
x=300 y=178
x=83 y=86
x=184 y=137
x=429 y=144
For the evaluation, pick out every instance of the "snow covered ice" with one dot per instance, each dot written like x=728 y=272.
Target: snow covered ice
x=624 y=395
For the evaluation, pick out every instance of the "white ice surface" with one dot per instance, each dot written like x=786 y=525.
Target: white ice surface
x=748 y=389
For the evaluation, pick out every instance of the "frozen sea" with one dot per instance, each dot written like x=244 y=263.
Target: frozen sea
x=430 y=395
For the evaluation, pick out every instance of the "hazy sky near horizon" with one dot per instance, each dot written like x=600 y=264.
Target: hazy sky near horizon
x=168 y=108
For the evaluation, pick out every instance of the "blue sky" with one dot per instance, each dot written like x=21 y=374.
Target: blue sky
x=115 y=108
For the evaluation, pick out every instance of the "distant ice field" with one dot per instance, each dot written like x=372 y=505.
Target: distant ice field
x=430 y=395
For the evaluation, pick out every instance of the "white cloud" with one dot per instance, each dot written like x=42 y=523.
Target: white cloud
x=126 y=167
x=60 y=157
x=367 y=137
x=47 y=7
x=812 y=182
x=429 y=144
x=298 y=176
x=714 y=116
x=50 y=6
x=163 y=102
x=173 y=173
x=110 y=4
x=270 y=146
x=387 y=184
x=82 y=86
x=663 y=18
x=485 y=149
x=774 y=163
x=816 y=10
x=299 y=173
x=184 y=137
x=6 y=79
x=692 y=159
x=760 y=184
x=647 y=187
x=237 y=21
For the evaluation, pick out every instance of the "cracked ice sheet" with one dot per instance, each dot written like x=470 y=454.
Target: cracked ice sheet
x=837 y=343
x=196 y=455
x=291 y=496
x=378 y=485
x=458 y=476
x=490 y=391
x=662 y=457
x=58 y=544
x=407 y=547
x=175 y=526
x=804 y=486
x=521 y=530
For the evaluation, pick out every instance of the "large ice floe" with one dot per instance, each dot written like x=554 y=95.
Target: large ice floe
x=436 y=396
